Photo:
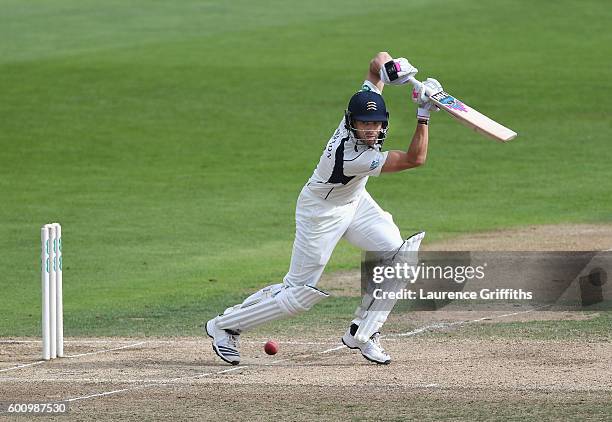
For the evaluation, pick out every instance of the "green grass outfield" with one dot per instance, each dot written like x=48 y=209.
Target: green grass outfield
x=171 y=139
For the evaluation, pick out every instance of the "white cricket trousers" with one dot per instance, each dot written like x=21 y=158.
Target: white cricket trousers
x=319 y=225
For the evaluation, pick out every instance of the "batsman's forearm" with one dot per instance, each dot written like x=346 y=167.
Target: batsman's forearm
x=375 y=64
x=414 y=157
x=417 y=151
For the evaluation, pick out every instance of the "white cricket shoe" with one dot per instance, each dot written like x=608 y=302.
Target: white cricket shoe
x=224 y=342
x=371 y=349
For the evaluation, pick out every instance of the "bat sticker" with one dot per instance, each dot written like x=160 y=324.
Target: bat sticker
x=449 y=101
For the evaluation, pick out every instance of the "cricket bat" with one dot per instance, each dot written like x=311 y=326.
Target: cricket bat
x=469 y=117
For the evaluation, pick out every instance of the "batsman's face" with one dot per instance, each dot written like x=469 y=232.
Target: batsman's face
x=368 y=131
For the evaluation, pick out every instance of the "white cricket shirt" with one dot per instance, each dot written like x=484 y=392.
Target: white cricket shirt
x=344 y=167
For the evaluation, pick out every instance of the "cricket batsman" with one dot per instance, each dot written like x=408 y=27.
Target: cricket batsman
x=334 y=204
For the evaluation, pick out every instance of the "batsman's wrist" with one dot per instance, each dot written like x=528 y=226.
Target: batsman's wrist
x=422 y=114
x=423 y=122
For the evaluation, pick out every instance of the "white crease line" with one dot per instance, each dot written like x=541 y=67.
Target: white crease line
x=333 y=349
x=157 y=384
x=298 y=343
x=25 y=365
x=421 y=330
x=468 y=321
x=79 y=341
x=306 y=355
x=89 y=380
x=278 y=361
x=105 y=350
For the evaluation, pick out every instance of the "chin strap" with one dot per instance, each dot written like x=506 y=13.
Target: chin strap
x=382 y=134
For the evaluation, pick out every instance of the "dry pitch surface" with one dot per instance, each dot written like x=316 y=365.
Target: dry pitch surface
x=314 y=377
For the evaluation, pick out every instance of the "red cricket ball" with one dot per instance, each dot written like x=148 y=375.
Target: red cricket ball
x=271 y=347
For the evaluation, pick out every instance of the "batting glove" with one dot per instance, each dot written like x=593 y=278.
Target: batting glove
x=397 y=71
x=421 y=94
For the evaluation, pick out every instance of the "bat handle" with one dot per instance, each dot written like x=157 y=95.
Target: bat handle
x=417 y=84
x=414 y=82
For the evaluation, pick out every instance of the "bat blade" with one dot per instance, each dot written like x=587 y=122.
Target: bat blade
x=472 y=118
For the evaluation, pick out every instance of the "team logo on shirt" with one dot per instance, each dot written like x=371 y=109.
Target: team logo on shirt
x=374 y=164
x=371 y=105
